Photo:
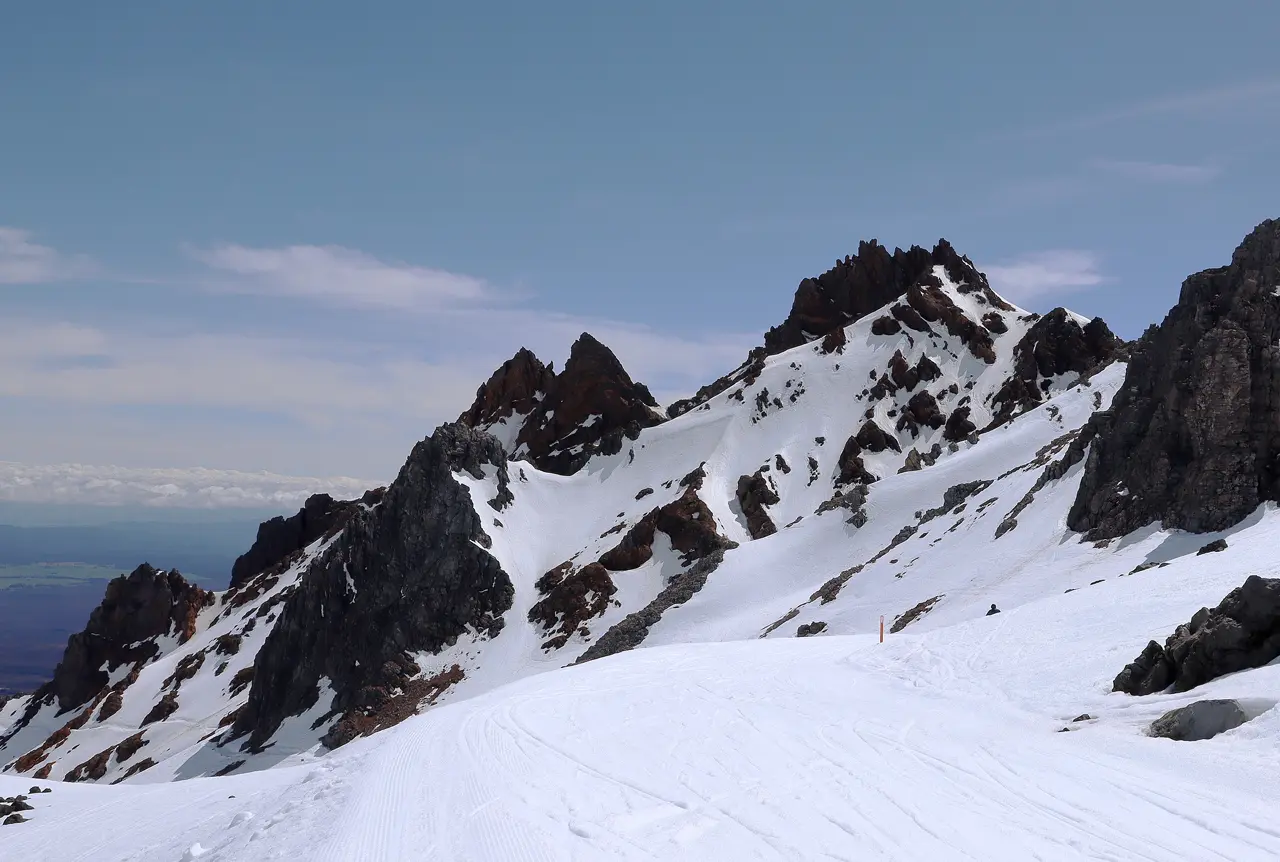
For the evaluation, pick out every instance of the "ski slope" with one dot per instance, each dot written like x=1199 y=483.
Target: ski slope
x=940 y=745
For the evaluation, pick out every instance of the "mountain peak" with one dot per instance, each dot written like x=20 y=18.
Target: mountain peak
x=558 y=421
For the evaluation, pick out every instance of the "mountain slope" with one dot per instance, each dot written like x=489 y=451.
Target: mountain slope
x=907 y=445
x=939 y=745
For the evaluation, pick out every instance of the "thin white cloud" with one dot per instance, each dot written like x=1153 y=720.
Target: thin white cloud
x=309 y=381
x=1158 y=172
x=23 y=261
x=338 y=276
x=1042 y=273
x=187 y=488
x=1247 y=95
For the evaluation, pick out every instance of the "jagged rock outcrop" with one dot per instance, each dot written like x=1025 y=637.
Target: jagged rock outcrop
x=585 y=410
x=754 y=493
x=514 y=389
x=922 y=409
x=569 y=598
x=866 y=282
x=280 y=537
x=1192 y=439
x=1241 y=633
x=872 y=438
x=1054 y=345
x=138 y=608
x=861 y=284
x=411 y=575
x=850 y=466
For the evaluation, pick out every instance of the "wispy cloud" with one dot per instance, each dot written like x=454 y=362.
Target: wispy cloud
x=338 y=276
x=189 y=488
x=23 y=261
x=1252 y=95
x=1158 y=172
x=1042 y=273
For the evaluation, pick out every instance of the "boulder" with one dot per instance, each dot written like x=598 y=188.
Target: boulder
x=1203 y=719
x=1241 y=633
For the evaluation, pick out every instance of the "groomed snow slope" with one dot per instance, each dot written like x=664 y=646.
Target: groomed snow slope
x=939 y=745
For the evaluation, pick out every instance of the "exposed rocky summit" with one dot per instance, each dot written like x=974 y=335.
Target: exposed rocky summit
x=410 y=575
x=866 y=282
x=514 y=389
x=1241 y=633
x=585 y=410
x=872 y=280
x=280 y=537
x=1192 y=440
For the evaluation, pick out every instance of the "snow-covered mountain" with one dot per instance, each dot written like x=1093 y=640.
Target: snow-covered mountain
x=906 y=446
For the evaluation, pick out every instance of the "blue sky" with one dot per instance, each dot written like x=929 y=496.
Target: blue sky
x=295 y=236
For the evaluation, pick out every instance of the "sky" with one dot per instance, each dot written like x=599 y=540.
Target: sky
x=294 y=237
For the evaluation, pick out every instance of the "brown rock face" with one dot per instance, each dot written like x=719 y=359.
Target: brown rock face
x=1056 y=344
x=754 y=493
x=872 y=438
x=585 y=410
x=136 y=610
x=850 y=463
x=922 y=409
x=569 y=599
x=513 y=389
x=687 y=522
x=863 y=283
x=279 y=537
x=1192 y=439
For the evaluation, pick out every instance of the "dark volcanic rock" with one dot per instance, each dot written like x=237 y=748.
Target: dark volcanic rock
x=808 y=630
x=850 y=464
x=1241 y=633
x=754 y=493
x=280 y=537
x=1192 y=440
x=687 y=522
x=1203 y=719
x=1213 y=547
x=885 y=325
x=872 y=438
x=863 y=283
x=513 y=389
x=137 y=609
x=587 y=409
x=1055 y=344
x=958 y=426
x=569 y=599
x=411 y=575
x=634 y=628
x=922 y=409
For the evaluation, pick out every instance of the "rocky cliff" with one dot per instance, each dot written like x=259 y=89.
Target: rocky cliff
x=408 y=575
x=1192 y=441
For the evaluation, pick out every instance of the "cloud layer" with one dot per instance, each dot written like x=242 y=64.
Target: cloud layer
x=187 y=488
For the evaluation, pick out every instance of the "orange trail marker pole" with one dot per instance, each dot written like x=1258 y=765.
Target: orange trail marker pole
x=882 y=628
